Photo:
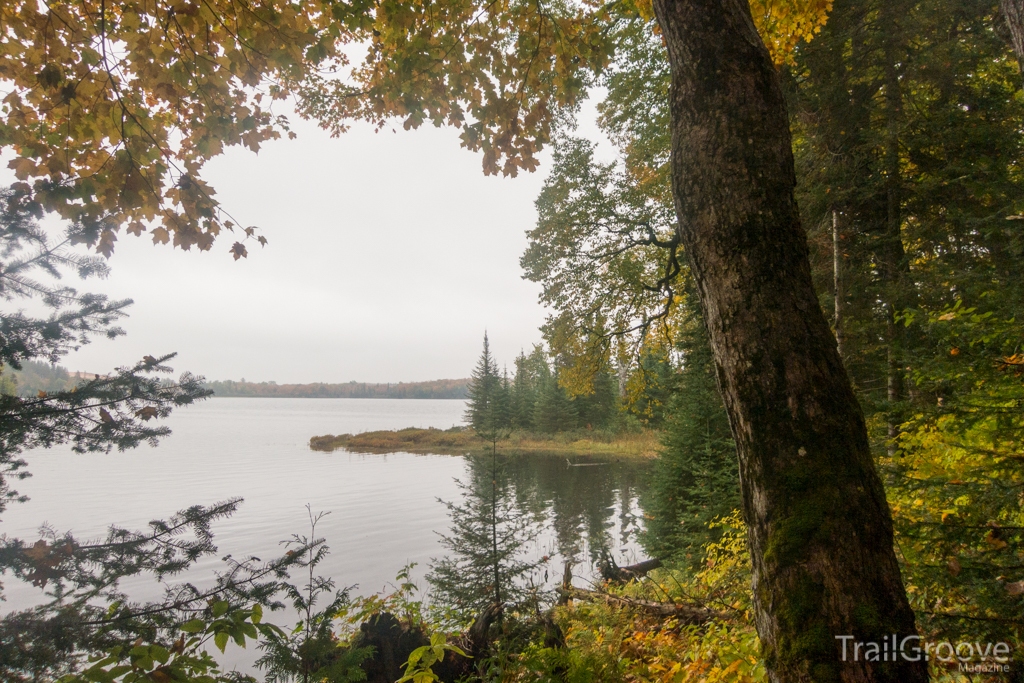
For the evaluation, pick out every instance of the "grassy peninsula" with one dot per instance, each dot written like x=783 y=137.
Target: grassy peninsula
x=459 y=440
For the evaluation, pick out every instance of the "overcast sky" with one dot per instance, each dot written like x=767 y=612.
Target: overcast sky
x=389 y=255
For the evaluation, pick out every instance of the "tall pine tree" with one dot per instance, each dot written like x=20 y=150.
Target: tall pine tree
x=486 y=411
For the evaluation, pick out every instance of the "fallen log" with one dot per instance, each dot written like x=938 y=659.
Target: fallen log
x=685 y=613
x=616 y=574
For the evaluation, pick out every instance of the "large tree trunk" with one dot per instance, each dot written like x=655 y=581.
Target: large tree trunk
x=1013 y=15
x=819 y=527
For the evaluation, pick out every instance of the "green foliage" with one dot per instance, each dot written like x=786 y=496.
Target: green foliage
x=605 y=248
x=311 y=652
x=95 y=415
x=186 y=659
x=532 y=373
x=616 y=641
x=418 y=668
x=695 y=479
x=536 y=398
x=554 y=411
x=72 y=629
x=488 y=400
x=484 y=564
x=955 y=479
x=907 y=133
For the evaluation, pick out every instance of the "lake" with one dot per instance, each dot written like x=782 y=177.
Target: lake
x=384 y=509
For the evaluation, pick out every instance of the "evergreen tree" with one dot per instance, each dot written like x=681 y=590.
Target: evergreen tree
x=650 y=387
x=484 y=411
x=598 y=408
x=554 y=410
x=695 y=478
x=489 y=534
x=909 y=148
x=503 y=403
x=120 y=410
x=523 y=393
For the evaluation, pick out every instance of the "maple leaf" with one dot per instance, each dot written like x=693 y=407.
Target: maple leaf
x=44 y=559
x=106 y=243
x=146 y=413
x=238 y=250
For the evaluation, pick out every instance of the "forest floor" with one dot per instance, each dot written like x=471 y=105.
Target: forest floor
x=459 y=440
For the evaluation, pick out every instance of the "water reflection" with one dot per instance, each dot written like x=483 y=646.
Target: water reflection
x=589 y=506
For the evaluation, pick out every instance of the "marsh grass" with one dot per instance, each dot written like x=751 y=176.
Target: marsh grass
x=460 y=440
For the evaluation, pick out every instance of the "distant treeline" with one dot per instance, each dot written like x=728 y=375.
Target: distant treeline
x=438 y=388
x=36 y=376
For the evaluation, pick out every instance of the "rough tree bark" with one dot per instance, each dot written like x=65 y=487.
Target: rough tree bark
x=820 y=531
x=1013 y=14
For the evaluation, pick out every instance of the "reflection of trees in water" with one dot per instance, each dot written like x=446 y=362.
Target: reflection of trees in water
x=577 y=502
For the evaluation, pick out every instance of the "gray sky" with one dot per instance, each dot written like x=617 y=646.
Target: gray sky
x=389 y=255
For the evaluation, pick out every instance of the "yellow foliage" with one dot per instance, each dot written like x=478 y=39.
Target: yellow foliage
x=617 y=644
x=783 y=24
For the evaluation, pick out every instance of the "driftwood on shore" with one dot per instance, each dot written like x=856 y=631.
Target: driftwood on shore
x=616 y=574
x=695 y=614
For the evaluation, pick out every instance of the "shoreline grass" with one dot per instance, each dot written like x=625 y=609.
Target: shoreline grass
x=461 y=440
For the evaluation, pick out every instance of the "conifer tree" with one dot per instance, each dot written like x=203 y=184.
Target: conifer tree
x=119 y=410
x=484 y=564
x=695 y=478
x=597 y=409
x=554 y=411
x=523 y=394
x=482 y=410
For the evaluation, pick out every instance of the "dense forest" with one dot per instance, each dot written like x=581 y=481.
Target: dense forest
x=533 y=399
x=802 y=262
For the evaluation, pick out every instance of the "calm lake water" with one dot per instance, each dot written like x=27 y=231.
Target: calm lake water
x=384 y=511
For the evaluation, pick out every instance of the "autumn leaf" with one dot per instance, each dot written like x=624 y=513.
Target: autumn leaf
x=106 y=243
x=38 y=552
x=44 y=559
x=146 y=413
x=104 y=128
x=160 y=236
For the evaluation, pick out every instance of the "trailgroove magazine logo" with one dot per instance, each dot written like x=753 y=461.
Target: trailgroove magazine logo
x=973 y=657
